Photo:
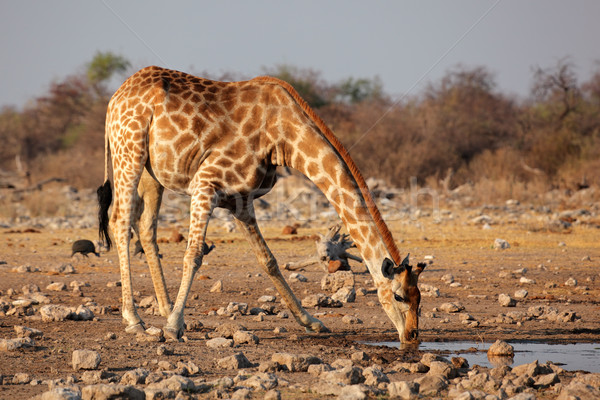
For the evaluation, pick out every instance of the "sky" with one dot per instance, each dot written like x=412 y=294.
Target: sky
x=406 y=44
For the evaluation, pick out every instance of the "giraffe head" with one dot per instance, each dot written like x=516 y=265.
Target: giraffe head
x=400 y=297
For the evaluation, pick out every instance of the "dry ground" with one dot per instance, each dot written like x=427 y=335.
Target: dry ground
x=458 y=247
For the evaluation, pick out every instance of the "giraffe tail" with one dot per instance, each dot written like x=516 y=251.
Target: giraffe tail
x=104 y=199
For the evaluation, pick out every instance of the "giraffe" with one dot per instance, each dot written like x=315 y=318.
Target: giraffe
x=220 y=143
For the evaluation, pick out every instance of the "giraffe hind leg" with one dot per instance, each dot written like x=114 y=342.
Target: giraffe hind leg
x=145 y=222
x=247 y=222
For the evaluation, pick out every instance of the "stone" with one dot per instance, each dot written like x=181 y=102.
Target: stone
x=440 y=368
x=353 y=392
x=159 y=394
x=176 y=383
x=521 y=294
x=293 y=362
x=55 y=312
x=219 y=342
x=296 y=277
x=374 y=375
x=21 y=378
x=267 y=299
x=351 y=320
x=243 y=337
x=56 y=287
x=459 y=362
x=235 y=307
x=500 y=244
x=135 y=377
x=451 y=307
x=85 y=359
x=111 y=391
x=532 y=369
x=261 y=381
x=526 y=281
x=217 y=287
x=59 y=393
x=14 y=344
x=236 y=361
x=82 y=314
x=501 y=348
x=228 y=329
x=344 y=376
x=545 y=381
x=94 y=377
x=318 y=369
x=431 y=385
x=241 y=394
x=319 y=300
x=272 y=395
x=403 y=390
x=334 y=282
x=30 y=288
x=506 y=301
x=579 y=390
x=23 y=331
x=428 y=358
x=359 y=356
x=572 y=282
x=345 y=295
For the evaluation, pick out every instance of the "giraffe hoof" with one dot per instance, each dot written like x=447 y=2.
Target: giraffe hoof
x=173 y=335
x=135 y=329
x=317 y=327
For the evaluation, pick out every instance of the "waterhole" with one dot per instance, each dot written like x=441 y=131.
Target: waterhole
x=572 y=357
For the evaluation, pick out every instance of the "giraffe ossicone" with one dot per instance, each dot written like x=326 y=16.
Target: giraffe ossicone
x=220 y=143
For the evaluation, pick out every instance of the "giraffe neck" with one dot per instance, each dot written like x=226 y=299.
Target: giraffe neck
x=309 y=146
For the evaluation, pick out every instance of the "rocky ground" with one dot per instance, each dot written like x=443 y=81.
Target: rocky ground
x=61 y=335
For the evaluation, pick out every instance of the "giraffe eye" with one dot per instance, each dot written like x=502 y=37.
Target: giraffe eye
x=399 y=298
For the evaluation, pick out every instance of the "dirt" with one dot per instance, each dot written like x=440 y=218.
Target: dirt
x=457 y=246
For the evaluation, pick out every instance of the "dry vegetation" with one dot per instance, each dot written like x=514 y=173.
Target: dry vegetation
x=458 y=131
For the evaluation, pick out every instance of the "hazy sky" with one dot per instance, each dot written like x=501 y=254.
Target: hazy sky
x=406 y=44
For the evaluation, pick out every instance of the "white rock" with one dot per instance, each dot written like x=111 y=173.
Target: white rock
x=501 y=244
x=521 y=294
x=506 y=301
x=56 y=286
x=571 y=282
x=85 y=359
x=501 y=348
x=334 y=282
x=345 y=295
x=219 y=342
x=527 y=280
x=217 y=287
x=296 y=277
x=236 y=361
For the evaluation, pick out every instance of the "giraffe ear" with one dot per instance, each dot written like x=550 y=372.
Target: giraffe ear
x=405 y=262
x=388 y=269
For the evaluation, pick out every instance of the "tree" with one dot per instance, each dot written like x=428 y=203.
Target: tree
x=103 y=67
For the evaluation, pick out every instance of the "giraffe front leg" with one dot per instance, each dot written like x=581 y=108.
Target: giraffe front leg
x=200 y=211
x=247 y=222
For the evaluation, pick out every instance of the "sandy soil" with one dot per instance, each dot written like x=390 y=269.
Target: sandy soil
x=458 y=247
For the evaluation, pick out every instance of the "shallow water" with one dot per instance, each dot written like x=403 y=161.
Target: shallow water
x=572 y=357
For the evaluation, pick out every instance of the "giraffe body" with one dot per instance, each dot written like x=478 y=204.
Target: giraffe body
x=220 y=143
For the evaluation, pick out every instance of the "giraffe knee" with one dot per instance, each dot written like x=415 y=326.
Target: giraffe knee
x=271 y=267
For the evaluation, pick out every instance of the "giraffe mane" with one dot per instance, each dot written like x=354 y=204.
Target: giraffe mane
x=345 y=155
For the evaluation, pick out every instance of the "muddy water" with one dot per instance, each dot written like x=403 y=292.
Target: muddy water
x=572 y=357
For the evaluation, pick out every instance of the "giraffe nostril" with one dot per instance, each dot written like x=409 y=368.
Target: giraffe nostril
x=414 y=335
